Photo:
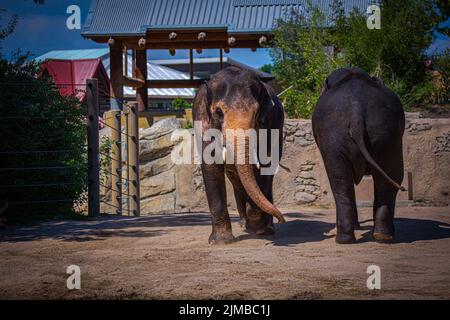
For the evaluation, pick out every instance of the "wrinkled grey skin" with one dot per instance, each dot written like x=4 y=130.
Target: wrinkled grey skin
x=237 y=99
x=358 y=125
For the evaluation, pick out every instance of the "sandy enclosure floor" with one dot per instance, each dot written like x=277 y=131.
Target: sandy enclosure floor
x=167 y=257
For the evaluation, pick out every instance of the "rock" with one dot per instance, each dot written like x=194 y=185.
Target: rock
x=307 y=175
x=156 y=185
x=306 y=167
x=151 y=149
x=442 y=144
x=303 y=197
x=159 y=128
x=159 y=204
x=156 y=166
x=310 y=188
x=184 y=183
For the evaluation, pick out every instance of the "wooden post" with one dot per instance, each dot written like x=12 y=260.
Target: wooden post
x=141 y=73
x=191 y=64
x=93 y=149
x=410 y=187
x=221 y=59
x=116 y=67
x=133 y=159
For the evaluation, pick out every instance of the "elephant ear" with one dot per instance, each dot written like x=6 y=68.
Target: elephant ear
x=267 y=104
x=325 y=87
x=202 y=105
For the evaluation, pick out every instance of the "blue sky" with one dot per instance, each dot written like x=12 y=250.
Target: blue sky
x=42 y=28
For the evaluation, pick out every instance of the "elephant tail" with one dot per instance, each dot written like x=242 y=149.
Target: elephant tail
x=357 y=132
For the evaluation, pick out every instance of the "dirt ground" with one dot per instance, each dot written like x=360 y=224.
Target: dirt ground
x=167 y=257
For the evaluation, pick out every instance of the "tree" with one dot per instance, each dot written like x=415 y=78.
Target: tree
x=303 y=59
x=310 y=47
x=36 y=125
x=267 y=68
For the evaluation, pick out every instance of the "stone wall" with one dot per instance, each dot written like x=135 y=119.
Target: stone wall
x=166 y=187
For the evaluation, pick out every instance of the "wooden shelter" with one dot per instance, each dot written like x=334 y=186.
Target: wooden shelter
x=141 y=25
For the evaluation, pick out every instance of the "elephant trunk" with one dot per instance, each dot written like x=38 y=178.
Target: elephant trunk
x=247 y=177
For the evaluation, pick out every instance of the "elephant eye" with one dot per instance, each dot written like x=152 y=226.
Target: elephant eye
x=219 y=113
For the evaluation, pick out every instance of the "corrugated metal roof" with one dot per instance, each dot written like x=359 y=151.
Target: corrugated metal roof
x=155 y=72
x=74 y=54
x=134 y=17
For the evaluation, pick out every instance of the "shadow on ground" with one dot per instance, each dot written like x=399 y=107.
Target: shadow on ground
x=303 y=229
x=101 y=228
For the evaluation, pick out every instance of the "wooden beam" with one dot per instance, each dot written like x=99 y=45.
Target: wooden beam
x=191 y=64
x=241 y=42
x=141 y=74
x=116 y=67
x=162 y=84
x=133 y=82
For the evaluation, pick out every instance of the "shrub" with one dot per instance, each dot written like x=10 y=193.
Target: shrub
x=180 y=104
x=35 y=117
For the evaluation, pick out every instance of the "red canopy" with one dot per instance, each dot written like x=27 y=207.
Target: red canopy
x=70 y=75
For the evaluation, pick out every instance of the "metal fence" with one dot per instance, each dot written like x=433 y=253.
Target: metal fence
x=123 y=174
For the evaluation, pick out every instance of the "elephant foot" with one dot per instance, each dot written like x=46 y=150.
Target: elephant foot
x=344 y=238
x=382 y=237
x=383 y=231
x=221 y=238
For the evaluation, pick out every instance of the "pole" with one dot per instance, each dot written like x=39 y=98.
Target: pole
x=142 y=74
x=93 y=149
x=191 y=64
x=133 y=160
x=116 y=161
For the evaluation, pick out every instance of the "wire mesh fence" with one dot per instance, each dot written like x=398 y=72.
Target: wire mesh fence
x=49 y=159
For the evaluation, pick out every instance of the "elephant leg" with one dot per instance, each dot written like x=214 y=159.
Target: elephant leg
x=384 y=204
x=340 y=174
x=258 y=221
x=214 y=179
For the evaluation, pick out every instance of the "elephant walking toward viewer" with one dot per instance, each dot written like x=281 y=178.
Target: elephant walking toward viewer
x=236 y=99
x=358 y=125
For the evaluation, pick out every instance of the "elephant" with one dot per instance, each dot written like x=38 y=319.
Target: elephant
x=358 y=125
x=236 y=98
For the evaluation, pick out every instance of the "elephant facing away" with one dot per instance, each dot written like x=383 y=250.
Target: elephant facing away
x=358 y=125
x=237 y=99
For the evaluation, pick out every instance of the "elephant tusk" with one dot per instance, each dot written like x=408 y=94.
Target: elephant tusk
x=224 y=155
x=255 y=156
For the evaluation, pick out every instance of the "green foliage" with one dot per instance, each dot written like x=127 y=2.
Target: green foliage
x=35 y=117
x=302 y=59
x=105 y=148
x=441 y=93
x=180 y=104
x=395 y=53
x=268 y=68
